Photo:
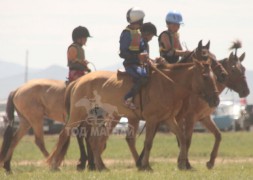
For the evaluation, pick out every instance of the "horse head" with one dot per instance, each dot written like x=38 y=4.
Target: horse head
x=236 y=74
x=204 y=83
x=202 y=53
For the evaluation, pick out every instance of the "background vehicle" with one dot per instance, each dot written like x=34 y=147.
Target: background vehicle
x=227 y=116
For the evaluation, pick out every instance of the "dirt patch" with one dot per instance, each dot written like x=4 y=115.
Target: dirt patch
x=110 y=162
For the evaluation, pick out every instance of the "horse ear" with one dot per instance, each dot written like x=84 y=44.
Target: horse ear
x=208 y=45
x=241 y=58
x=231 y=56
x=200 y=45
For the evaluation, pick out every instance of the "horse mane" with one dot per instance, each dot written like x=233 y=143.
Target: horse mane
x=235 y=45
x=185 y=59
x=177 y=66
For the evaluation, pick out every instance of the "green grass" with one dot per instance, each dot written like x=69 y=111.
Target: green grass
x=234 y=160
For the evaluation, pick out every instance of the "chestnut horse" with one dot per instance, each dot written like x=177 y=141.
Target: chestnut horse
x=201 y=111
x=33 y=101
x=201 y=53
x=106 y=89
x=189 y=114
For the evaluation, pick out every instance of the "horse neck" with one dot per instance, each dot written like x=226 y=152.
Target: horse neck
x=223 y=86
x=220 y=87
x=188 y=58
x=182 y=75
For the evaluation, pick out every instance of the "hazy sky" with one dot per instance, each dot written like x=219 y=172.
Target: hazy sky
x=44 y=27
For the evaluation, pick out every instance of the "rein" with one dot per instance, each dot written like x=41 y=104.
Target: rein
x=159 y=71
x=93 y=65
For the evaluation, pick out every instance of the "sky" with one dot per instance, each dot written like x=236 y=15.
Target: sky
x=43 y=28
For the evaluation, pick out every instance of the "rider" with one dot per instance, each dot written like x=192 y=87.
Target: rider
x=134 y=51
x=77 y=62
x=169 y=43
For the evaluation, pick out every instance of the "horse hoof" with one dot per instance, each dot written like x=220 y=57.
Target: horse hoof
x=145 y=168
x=188 y=166
x=182 y=166
x=92 y=167
x=209 y=165
x=8 y=172
x=54 y=169
x=80 y=167
x=102 y=169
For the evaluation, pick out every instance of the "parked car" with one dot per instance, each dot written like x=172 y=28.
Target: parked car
x=50 y=127
x=122 y=126
x=247 y=117
x=227 y=116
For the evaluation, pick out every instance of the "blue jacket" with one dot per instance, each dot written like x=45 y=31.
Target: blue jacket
x=129 y=55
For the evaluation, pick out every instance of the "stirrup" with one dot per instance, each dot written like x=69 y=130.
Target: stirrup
x=130 y=104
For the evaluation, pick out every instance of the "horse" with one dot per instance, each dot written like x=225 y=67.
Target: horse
x=190 y=114
x=201 y=53
x=33 y=101
x=201 y=111
x=109 y=87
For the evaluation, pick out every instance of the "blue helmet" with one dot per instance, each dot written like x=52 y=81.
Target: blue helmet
x=174 y=17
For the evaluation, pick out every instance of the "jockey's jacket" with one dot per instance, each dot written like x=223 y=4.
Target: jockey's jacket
x=135 y=40
x=72 y=64
x=174 y=44
x=130 y=42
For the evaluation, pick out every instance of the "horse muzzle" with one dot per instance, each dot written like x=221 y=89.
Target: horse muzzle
x=244 y=93
x=212 y=100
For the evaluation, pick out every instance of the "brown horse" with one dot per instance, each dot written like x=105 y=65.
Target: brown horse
x=189 y=114
x=201 y=111
x=106 y=89
x=201 y=53
x=33 y=101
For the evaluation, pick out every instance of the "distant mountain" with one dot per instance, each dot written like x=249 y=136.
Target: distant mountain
x=10 y=69
x=12 y=76
x=11 y=82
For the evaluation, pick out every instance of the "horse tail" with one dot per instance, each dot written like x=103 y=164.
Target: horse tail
x=8 y=134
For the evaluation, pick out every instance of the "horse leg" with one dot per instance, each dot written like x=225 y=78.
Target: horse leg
x=138 y=163
x=188 y=130
x=39 y=135
x=97 y=143
x=210 y=125
x=174 y=127
x=7 y=165
x=83 y=156
x=131 y=137
x=150 y=133
x=91 y=163
x=21 y=131
x=55 y=159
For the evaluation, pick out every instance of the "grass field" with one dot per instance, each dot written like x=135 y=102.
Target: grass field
x=235 y=159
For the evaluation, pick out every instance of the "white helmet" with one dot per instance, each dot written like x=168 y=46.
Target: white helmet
x=135 y=14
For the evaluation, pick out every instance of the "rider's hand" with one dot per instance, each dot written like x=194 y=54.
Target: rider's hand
x=160 y=60
x=186 y=52
x=85 y=62
x=143 y=57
